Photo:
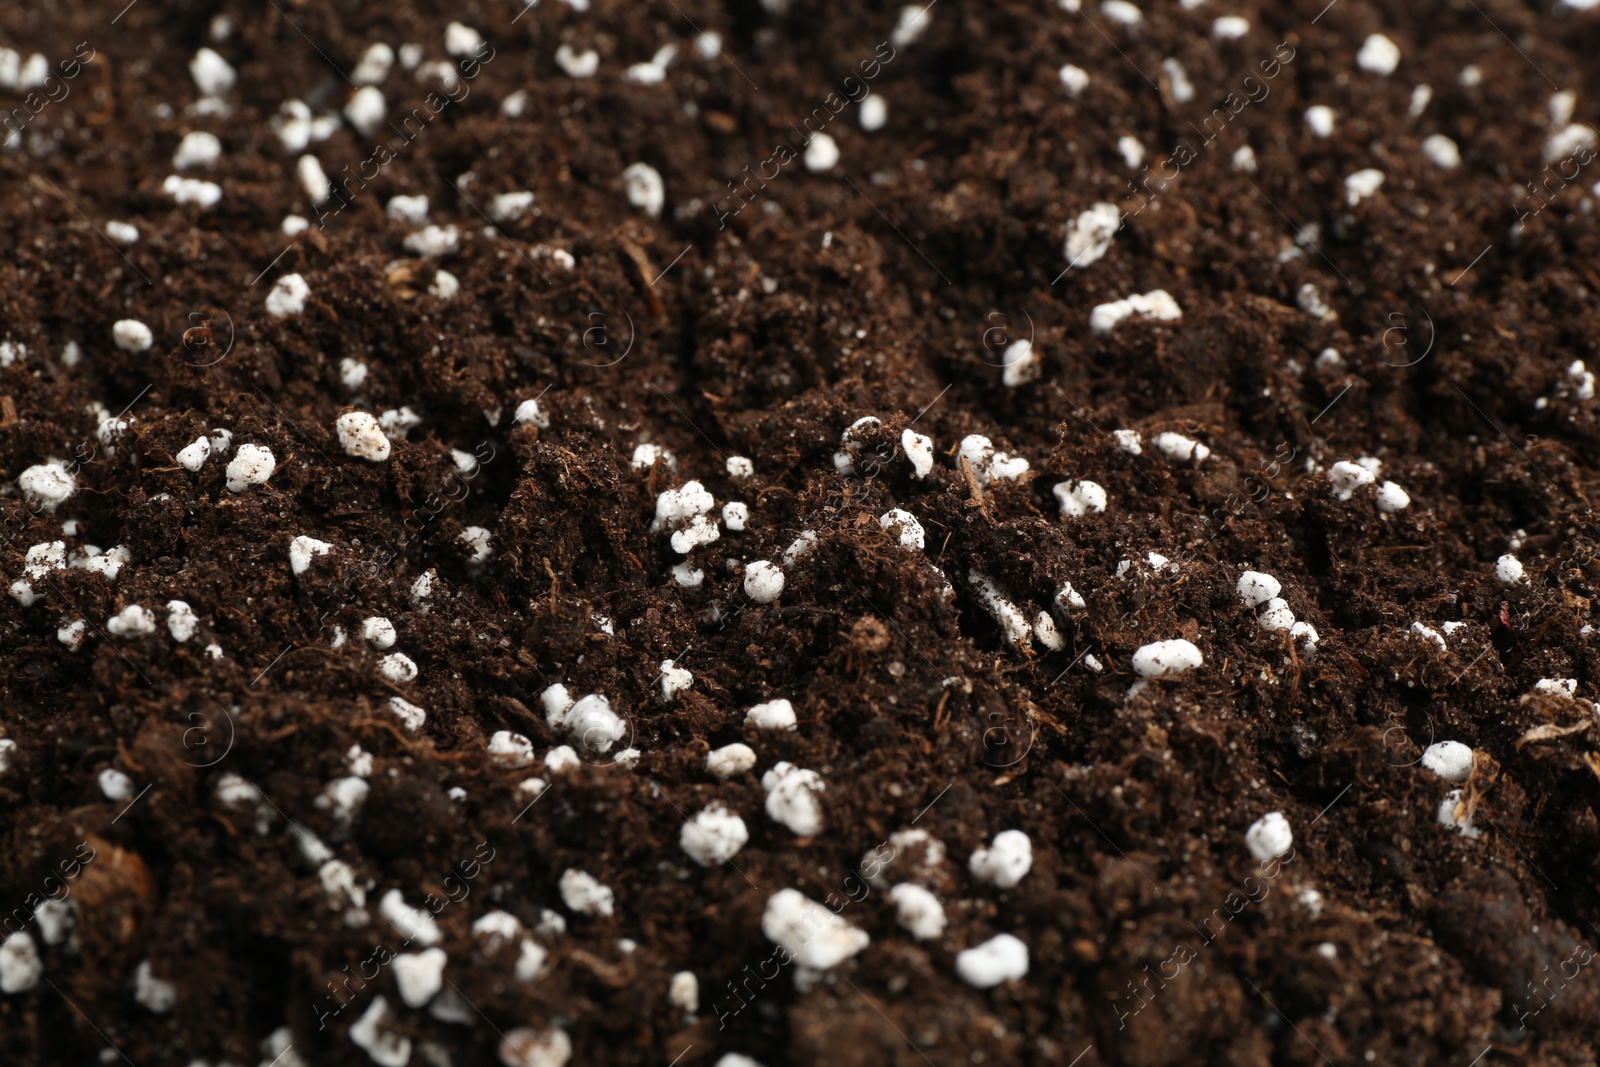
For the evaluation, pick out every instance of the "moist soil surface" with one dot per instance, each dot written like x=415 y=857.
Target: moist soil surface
x=763 y=311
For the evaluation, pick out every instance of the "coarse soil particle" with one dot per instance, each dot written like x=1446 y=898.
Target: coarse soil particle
x=767 y=309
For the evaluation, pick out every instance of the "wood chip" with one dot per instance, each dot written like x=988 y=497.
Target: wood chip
x=1550 y=732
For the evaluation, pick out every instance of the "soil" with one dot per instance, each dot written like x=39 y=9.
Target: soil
x=761 y=320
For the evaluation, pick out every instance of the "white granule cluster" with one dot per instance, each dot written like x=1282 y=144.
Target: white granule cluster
x=1508 y=569
x=1441 y=151
x=589 y=721
x=1004 y=863
x=1156 y=305
x=763 y=581
x=1020 y=364
x=1122 y=11
x=1378 y=55
x=1452 y=814
x=903 y=527
x=20 y=969
x=674 y=680
x=1314 y=303
x=919 y=451
x=714 y=836
x=1320 y=120
x=361 y=436
x=822 y=153
x=1230 y=28
x=412 y=210
x=1014 y=626
x=918 y=911
x=1181 y=449
x=115 y=785
x=511 y=749
x=1362 y=184
x=1078 y=499
x=730 y=760
x=1256 y=588
x=251 y=465
x=415 y=924
x=684 y=511
x=462 y=40
x=192 y=457
x=192 y=191
x=378 y=631
x=477 y=540
x=1346 y=477
x=525 y=1046
x=376 y=1034
x=1429 y=633
x=49 y=485
x=398 y=667
x=792 y=798
x=645 y=456
x=1002 y=958
x=1269 y=837
x=739 y=467
x=914 y=21
x=45 y=557
x=197 y=149
x=419 y=975
x=1074 y=80
x=1163 y=659
x=735 y=516
x=1068 y=597
x=288 y=296
x=131 y=335
x=578 y=64
x=132 y=621
x=1565 y=142
x=1046 y=633
x=850 y=442
x=874 y=114
x=1392 y=499
x=432 y=241
x=1450 y=760
x=584 y=894
x=1580 y=380
x=773 y=715
x=303 y=549
x=181 y=621
x=1089 y=235
x=365 y=110
x=374 y=65
x=644 y=188
x=529 y=411
x=212 y=74
x=508 y=207
x=1560 y=687
x=811 y=933
x=913 y=855
x=987 y=464
x=1276 y=615
x=156 y=994
x=411 y=717
x=683 y=992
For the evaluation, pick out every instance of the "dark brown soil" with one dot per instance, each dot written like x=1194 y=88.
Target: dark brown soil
x=889 y=287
